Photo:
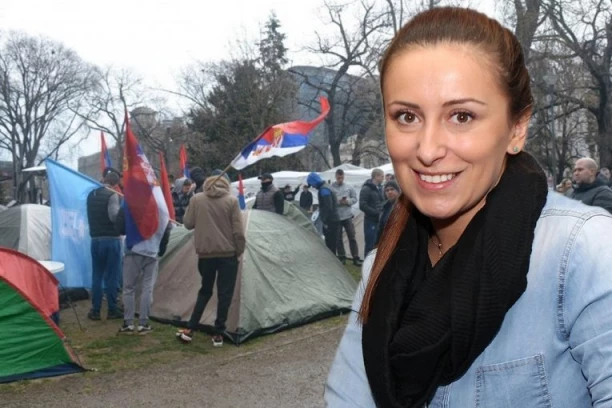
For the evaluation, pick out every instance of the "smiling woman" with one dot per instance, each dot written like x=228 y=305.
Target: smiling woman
x=475 y=245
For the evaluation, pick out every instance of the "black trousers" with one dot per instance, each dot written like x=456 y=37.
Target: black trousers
x=331 y=236
x=226 y=271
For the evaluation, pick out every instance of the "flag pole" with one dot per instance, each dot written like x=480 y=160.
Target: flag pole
x=225 y=170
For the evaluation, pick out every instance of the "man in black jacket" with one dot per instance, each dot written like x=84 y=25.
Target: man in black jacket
x=181 y=200
x=371 y=202
x=137 y=266
x=328 y=210
x=590 y=189
x=102 y=210
x=392 y=192
x=306 y=199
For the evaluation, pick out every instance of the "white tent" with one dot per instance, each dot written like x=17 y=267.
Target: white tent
x=354 y=176
x=27 y=229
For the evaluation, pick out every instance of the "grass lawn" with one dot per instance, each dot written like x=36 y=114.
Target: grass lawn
x=100 y=347
x=355 y=271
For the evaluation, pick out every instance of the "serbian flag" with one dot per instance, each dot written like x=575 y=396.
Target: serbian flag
x=280 y=140
x=183 y=162
x=241 y=193
x=165 y=185
x=146 y=212
x=105 y=160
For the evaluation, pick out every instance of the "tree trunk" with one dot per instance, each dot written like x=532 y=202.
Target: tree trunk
x=334 y=148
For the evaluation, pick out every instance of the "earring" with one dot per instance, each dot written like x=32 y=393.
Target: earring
x=516 y=149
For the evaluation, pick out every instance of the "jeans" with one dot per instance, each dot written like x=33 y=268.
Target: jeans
x=350 y=233
x=135 y=266
x=370 y=230
x=226 y=271
x=106 y=263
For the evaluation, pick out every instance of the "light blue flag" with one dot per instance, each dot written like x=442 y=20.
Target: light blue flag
x=70 y=241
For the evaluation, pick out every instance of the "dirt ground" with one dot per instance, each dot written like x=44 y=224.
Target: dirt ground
x=287 y=369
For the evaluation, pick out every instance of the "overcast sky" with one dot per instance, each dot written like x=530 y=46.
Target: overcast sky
x=156 y=38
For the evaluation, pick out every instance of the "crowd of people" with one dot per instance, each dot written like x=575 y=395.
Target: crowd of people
x=206 y=205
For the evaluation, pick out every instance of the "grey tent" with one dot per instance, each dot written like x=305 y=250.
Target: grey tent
x=27 y=229
x=287 y=277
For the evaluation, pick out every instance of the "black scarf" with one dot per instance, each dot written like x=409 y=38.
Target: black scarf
x=426 y=328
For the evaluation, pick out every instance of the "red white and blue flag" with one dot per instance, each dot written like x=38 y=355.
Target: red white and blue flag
x=146 y=212
x=105 y=159
x=183 y=162
x=280 y=140
x=241 y=200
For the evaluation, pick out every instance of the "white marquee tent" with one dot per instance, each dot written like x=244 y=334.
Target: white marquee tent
x=354 y=176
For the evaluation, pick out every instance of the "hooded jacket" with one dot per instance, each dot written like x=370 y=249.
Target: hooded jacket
x=215 y=215
x=328 y=204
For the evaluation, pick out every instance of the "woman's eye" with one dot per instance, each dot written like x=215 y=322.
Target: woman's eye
x=407 y=118
x=462 y=117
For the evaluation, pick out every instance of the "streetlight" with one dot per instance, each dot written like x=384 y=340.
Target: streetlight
x=551 y=80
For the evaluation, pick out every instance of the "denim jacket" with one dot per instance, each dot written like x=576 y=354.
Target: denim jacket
x=554 y=348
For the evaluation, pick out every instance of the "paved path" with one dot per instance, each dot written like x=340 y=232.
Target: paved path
x=286 y=370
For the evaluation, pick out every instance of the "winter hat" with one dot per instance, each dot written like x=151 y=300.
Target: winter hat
x=198 y=175
x=218 y=172
x=393 y=185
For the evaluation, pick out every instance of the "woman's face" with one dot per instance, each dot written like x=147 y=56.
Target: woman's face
x=447 y=128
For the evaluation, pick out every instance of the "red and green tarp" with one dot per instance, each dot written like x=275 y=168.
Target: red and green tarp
x=31 y=344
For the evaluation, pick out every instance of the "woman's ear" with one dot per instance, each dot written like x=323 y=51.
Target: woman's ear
x=519 y=134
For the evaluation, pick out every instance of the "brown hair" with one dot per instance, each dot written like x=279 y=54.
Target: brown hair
x=454 y=26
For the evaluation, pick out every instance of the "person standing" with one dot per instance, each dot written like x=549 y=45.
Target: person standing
x=269 y=198
x=370 y=202
x=590 y=189
x=306 y=199
x=289 y=194
x=102 y=209
x=219 y=241
x=138 y=266
x=392 y=191
x=346 y=198
x=181 y=200
x=328 y=210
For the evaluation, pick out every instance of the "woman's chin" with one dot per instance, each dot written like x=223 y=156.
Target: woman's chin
x=437 y=210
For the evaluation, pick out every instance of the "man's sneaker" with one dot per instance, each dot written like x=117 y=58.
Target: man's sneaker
x=185 y=335
x=217 y=340
x=93 y=315
x=146 y=329
x=357 y=262
x=342 y=259
x=114 y=314
x=126 y=329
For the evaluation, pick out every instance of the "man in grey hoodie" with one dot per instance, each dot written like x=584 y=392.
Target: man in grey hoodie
x=346 y=198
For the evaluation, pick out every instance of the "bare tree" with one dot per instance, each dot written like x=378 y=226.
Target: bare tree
x=43 y=89
x=585 y=30
x=116 y=92
x=351 y=48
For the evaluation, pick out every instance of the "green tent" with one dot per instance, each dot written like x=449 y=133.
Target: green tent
x=287 y=277
x=31 y=344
